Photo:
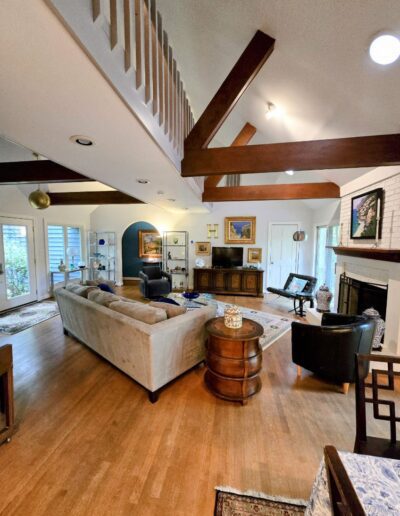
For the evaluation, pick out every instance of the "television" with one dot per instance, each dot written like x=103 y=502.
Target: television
x=227 y=257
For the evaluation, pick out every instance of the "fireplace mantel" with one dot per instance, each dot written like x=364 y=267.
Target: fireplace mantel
x=372 y=253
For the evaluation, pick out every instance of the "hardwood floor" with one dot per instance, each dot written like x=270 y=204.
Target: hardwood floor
x=88 y=442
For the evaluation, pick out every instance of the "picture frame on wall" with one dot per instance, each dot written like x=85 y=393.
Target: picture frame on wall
x=203 y=248
x=150 y=243
x=254 y=255
x=240 y=230
x=366 y=215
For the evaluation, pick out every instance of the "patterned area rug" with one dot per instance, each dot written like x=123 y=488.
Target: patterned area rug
x=233 y=504
x=274 y=326
x=27 y=316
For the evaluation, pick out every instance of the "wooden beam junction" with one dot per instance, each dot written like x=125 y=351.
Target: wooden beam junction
x=38 y=171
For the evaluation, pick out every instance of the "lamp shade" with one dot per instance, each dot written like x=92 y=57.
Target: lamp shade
x=39 y=200
x=72 y=251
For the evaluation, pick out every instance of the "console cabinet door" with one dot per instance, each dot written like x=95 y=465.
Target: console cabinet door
x=219 y=281
x=203 y=281
x=234 y=281
x=250 y=282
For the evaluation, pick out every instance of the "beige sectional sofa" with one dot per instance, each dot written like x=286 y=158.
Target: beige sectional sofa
x=151 y=354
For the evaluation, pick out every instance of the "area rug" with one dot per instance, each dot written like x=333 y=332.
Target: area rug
x=274 y=326
x=22 y=318
x=237 y=504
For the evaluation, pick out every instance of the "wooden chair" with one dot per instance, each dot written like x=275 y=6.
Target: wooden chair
x=6 y=392
x=364 y=444
x=343 y=497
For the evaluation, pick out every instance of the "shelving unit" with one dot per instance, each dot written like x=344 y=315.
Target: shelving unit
x=101 y=247
x=176 y=258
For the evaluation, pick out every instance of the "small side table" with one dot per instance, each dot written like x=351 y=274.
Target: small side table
x=66 y=273
x=234 y=360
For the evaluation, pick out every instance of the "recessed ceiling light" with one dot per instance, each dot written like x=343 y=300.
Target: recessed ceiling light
x=289 y=172
x=172 y=200
x=82 y=140
x=143 y=181
x=385 y=49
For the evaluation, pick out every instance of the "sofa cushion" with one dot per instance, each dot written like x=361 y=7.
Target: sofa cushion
x=139 y=311
x=102 y=298
x=80 y=290
x=96 y=282
x=172 y=310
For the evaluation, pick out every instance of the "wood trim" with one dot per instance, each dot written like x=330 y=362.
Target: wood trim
x=113 y=24
x=236 y=83
x=161 y=77
x=38 y=171
x=243 y=138
x=272 y=192
x=385 y=255
x=101 y=197
x=364 y=151
x=147 y=57
x=154 y=53
x=95 y=9
x=138 y=43
x=127 y=35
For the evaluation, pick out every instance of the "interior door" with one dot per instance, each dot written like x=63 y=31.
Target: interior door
x=282 y=254
x=17 y=263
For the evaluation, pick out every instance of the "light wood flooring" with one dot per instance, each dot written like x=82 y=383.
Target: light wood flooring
x=90 y=443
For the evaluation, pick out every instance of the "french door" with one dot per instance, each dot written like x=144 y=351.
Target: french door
x=17 y=263
x=283 y=251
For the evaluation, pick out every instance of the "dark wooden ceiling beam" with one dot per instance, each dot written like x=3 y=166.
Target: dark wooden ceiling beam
x=38 y=171
x=282 y=192
x=364 y=151
x=241 y=75
x=243 y=138
x=101 y=197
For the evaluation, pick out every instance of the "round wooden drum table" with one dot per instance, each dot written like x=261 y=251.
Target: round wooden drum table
x=234 y=359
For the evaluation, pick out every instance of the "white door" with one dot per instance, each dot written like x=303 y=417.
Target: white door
x=17 y=263
x=282 y=256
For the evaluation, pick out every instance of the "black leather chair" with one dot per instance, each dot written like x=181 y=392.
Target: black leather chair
x=306 y=294
x=154 y=281
x=329 y=350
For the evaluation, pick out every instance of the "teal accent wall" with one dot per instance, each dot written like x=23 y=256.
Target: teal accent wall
x=131 y=263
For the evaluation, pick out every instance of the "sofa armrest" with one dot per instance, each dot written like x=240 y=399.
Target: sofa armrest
x=143 y=276
x=167 y=275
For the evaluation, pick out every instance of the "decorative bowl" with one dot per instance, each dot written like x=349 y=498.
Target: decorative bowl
x=190 y=295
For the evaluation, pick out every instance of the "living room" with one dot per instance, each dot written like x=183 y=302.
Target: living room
x=293 y=172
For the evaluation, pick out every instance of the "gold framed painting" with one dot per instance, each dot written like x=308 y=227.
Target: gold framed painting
x=240 y=230
x=254 y=255
x=150 y=243
x=203 y=248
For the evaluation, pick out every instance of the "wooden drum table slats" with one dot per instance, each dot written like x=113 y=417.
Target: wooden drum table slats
x=234 y=359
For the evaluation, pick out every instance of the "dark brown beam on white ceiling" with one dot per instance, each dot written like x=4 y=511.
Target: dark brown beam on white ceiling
x=243 y=138
x=272 y=192
x=38 y=171
x=100 y=197
x=239 y=78
x=364 y=151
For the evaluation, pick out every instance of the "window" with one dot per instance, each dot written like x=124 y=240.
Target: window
x=64 y=243
x=325 y=258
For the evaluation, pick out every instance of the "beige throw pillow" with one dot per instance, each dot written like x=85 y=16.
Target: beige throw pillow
x=172 y=310
x=102 y=298
x=139 y=311
x=80 y=290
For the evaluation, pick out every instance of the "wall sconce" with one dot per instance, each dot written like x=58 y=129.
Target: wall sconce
x=212 y=231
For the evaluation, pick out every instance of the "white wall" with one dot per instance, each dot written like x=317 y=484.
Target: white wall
x=117 y=219
x=14 y=203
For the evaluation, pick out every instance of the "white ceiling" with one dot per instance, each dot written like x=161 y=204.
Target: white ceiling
x=319 y=74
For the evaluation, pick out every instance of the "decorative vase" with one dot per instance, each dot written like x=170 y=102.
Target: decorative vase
x=371 y=313
x=233 y=317
x=324 y=298
x=62 y=267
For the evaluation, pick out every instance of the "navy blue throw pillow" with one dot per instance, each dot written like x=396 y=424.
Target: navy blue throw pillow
x=106 y=288
x=161 y=299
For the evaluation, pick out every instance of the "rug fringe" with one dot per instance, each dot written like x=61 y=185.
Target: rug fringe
x=259 y=494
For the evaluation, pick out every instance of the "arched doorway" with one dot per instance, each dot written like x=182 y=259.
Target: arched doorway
x=131 y=263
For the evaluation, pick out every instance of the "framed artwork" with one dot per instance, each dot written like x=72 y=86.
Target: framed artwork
x=254 y=255
x=150 y=243
x=366 y=215
x=203 y=248
x=240 y=230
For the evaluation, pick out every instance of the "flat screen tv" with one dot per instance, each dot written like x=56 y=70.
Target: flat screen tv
x=227 y=257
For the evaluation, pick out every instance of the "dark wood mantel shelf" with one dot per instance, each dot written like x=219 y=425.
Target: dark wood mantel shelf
x=372 y=253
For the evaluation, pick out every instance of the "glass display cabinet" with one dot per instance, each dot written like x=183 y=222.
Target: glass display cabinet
x=101 y=248
x=176 y=258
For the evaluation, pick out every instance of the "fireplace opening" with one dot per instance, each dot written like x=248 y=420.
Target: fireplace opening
x=355 y=296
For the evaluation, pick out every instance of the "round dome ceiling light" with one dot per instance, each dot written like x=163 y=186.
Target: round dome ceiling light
x=385 y=49
x=143 y=181
x=82 y=140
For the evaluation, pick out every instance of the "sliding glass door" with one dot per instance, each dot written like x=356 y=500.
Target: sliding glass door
x=17 y=263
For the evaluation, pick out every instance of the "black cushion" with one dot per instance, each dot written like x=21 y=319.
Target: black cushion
x=152 y=271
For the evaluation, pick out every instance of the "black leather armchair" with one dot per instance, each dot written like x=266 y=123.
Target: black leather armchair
x=306 y=294
x=154 y=281
x=329 y=350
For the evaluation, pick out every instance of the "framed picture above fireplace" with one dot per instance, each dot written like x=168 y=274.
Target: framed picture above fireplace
x=366 y=215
